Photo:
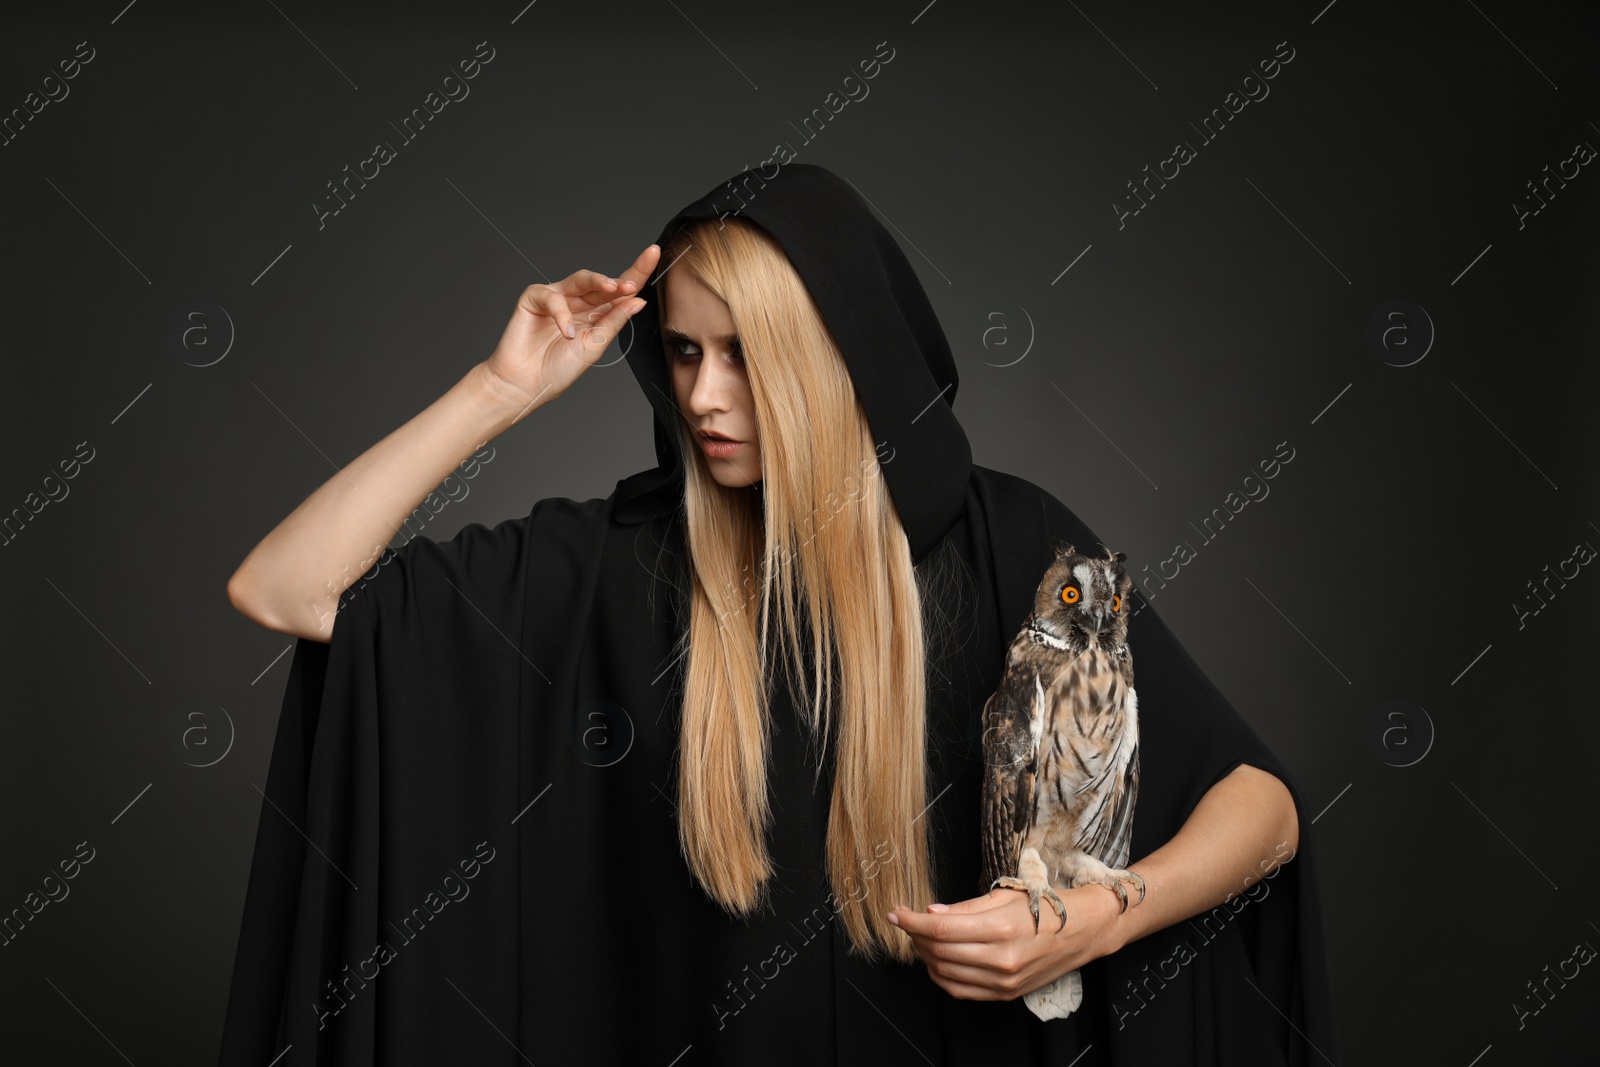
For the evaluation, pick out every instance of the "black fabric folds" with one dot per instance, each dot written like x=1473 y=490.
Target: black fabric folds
x=469 y=854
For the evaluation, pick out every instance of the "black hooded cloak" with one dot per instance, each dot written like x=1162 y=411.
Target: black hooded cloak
x=470 y=855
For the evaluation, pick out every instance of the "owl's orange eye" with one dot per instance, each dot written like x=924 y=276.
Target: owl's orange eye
x=1069 y=594
x=1116 y=604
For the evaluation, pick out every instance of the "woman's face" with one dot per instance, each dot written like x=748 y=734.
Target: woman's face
x=709 y=381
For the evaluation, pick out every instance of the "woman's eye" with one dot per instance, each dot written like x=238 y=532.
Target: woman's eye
x=687 y=350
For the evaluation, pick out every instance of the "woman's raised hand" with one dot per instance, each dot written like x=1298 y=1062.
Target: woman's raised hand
x=560 y=330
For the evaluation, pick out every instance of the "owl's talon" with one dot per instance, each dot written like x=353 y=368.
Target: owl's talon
x=1008 y=882
x=1060 y=909
x=1114 y=884
x=1034 y=893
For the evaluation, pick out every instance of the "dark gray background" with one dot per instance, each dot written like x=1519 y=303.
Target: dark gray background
x=1225 y=318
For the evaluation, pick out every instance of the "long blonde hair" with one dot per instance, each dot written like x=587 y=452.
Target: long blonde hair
x=823 y=509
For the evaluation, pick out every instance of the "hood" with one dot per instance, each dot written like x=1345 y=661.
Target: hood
x=877 y=311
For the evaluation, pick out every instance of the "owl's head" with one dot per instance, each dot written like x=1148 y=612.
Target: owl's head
x=1086 y=594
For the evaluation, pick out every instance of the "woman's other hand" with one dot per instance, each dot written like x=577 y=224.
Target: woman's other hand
x=986 y=948
x=558 y=331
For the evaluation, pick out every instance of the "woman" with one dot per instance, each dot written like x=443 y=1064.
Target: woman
x=690 y=773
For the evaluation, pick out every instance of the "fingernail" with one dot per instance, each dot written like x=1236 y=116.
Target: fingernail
x=894 y=918
x=571 y=333
x=938 y=907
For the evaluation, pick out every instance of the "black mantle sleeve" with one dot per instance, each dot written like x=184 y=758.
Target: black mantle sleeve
x=387 y=807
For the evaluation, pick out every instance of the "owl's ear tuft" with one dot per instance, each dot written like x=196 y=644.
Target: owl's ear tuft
x=1064 y=549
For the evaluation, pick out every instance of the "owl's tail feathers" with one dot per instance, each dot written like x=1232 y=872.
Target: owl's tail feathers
x=1057 y=1000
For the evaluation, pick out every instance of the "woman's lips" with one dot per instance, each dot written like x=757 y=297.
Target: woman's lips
x=717 y=448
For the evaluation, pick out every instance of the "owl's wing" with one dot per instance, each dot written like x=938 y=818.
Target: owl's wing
x=1106 y=828
x=1011 y=766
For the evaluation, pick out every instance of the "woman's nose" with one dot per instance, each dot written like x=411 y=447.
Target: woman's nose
x=711 y=387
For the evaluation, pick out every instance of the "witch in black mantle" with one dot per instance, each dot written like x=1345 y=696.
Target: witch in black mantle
x=690 y=774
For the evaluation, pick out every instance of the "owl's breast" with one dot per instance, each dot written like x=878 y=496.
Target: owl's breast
x=1087 y=724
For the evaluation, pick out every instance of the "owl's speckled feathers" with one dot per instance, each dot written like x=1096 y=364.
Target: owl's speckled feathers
x=1061 y=748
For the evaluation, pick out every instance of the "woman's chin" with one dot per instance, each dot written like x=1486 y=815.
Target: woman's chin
x=733 y=478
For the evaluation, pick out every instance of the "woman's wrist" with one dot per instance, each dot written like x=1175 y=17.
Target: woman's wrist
x=503 y=405
x=1110 y=927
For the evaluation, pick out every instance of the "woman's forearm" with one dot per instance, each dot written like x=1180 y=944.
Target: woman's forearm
x=291 y=582
x=1239 y=832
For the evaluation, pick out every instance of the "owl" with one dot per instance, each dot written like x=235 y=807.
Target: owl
x=1061 y=750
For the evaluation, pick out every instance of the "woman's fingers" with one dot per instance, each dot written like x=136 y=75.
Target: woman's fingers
x=994 y=898
x=979 y=977
x=962 y=991
x=971 y=953
x=611 y=318
x=596 y=301
x=588 y=283
x=988 y=925
x=588 y=289
x=545 y=300
x=979 y=988
x=640 y=270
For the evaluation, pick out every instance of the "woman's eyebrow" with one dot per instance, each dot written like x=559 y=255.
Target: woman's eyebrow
x=673 y=331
